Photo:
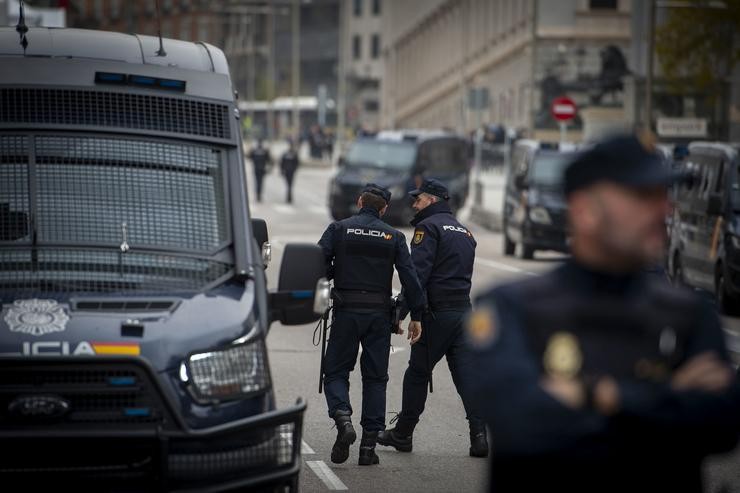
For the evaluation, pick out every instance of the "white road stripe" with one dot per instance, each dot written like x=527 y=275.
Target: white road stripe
x=305 y=449
x=503 y=267
x=285 y=209
x=326 y=475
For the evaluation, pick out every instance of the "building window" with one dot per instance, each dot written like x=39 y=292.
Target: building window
x=203 y=29
x=371 y=105
x=376 y=46
x=376 y=7
x=115 y=8
x=356 y=47
x=603 y=4
x=98 y=9
x=186 y=33
x=358 y=8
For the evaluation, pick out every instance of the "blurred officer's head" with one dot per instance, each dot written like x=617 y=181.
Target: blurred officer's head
x=374 y=197
x=618 y=203
x=430 y=192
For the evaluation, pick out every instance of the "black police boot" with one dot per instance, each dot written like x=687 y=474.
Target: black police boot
x=398 y=437
x=346 y=436
x=368 y=457
x=478 y=440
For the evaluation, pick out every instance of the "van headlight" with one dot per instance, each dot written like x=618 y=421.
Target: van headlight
x=539 y=215
x=229 y=373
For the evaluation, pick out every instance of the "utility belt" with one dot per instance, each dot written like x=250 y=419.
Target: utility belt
x=446 y=299
x=360 y=299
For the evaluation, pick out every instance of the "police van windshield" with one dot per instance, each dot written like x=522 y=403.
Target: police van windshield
x=381 y=154
x=111 y=214
x=548 y=168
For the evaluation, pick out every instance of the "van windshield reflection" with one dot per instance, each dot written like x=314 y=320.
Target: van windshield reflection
x=548 y=169
x=378 y=154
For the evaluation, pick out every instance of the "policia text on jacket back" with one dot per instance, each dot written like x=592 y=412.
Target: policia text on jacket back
x=133 y=289
x=360 y=254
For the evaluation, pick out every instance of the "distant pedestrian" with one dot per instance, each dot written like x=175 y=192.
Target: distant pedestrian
x=261 y=160
x=600 y=375
x=288 y=165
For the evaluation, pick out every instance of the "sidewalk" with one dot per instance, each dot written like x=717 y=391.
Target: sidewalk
x=488 y=198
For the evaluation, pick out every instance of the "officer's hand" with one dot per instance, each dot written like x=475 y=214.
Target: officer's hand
x=397 y=329
x=414 y=331
x=567 y=391
x=704 y=372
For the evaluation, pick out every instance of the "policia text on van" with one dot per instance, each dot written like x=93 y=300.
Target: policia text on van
x=134 y=299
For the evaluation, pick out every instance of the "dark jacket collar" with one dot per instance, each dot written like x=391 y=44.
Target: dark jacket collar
x=600 y=281
x=441 y=207
x=370 y=212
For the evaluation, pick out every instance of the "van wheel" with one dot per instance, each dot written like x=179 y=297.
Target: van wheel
x=728 y=304
x=509 y=246
x=526 y=252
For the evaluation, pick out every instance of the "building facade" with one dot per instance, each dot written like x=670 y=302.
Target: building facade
x=520 y=53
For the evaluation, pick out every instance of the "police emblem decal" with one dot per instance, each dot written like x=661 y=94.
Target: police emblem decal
x=482 y=326
x=36 y=317
x=418 y=236
x=563 y=357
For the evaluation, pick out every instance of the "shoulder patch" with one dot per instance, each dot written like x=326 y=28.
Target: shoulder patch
x=418 y=236
x=482 y=328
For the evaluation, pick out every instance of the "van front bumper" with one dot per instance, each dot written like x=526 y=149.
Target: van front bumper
x=135 y=453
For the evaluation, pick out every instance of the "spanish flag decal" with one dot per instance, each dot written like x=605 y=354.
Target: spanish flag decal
x=418 y=236
x=124 y=348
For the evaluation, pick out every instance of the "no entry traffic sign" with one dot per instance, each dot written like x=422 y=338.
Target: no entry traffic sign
x=563 y=109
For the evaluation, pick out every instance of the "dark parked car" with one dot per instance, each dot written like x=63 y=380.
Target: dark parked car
x=535 y=212
x=704 y=250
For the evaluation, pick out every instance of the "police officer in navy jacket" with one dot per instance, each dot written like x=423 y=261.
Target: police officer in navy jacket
x=600 y=375
x=443 y=252
x=360 y=253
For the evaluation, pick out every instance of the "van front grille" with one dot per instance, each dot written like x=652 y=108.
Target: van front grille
x=70 y=107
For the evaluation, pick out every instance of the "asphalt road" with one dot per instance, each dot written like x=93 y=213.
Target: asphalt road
x=440 y=461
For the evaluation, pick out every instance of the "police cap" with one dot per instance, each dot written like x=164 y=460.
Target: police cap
x=432 y=187
x=623 y=159
x=382 y=192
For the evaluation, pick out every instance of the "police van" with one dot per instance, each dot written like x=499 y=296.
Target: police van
x=399 y=160
x=535 y=210
x=704 y=247
x=135 y=306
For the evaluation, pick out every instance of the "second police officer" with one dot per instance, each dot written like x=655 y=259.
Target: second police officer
x=360 y=254
x=443 y=252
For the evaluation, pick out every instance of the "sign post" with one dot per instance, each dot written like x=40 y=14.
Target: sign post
x=563 y=109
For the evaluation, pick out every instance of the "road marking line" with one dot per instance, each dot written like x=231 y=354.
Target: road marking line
x=285 y=209
x=305 y=449
x=503 y=267
x=326 y=475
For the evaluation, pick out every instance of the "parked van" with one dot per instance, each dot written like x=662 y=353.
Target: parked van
x=135 y=307
x=704 y=249
x=535 y=210
x=400 y=160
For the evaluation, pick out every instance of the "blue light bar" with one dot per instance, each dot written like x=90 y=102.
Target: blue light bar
x=122 y=381
x=177 y=85
x=302 y=295
x=137 y=412
x=110 y=78
x=142 y=80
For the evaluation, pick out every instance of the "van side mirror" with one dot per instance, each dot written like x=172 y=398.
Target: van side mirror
x=714 y=205
x=259 y=231
x=303 y=292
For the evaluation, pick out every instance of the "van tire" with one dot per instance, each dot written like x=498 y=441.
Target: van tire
x=728 y=303
x=526 y=251
x=509 y=246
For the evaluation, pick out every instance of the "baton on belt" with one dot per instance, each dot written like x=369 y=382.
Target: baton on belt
x=324 y=329
x=429 y=353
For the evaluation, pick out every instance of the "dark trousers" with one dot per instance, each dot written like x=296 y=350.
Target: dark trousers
x=259 y=178
x=350 y=329
x=442 y=335
x=289 y=184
